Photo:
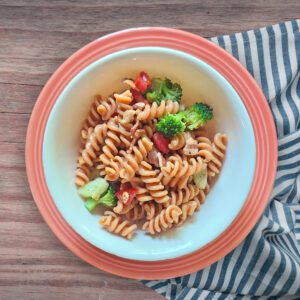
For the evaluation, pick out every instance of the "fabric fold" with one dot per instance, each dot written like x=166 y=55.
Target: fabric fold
x=266 y=265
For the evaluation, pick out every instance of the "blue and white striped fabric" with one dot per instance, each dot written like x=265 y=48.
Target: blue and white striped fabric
x=266 y=265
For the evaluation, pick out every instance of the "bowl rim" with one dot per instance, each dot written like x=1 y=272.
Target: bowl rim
x=120 y=249
x=258 y=111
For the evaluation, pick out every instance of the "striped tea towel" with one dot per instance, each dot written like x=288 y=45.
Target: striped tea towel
x=266 y=265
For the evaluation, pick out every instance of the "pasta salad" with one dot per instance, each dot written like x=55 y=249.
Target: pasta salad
x=146 y=158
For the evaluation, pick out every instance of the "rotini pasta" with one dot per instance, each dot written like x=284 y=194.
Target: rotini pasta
x=153 y=183
x=107 y=108
x=143 y=195
x=188 y=209
x=218 y=151
x=130 y=83
x=149 y=112
x=205 y=148
x=145 y=158
x=122 y=209
x=163 y=220
x=93 y=117
x=132 y=160
x=124 y=98
x=92 y=147
x=115 y=224
x=177 y=170
x=184 y=195
x=152 y=208
x=82 y=175
x=100 y=167
x=85 y=134
x=177 y=142
x=112 y=140
x=112 y=171
x=136 y=213
x=122 y=108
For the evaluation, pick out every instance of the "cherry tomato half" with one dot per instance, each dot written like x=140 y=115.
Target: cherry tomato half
x=142 y=82
x=161 y=143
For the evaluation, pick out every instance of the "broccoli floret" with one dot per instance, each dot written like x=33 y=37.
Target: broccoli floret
x=164 y=89
x=107 y=199
x=197 y=115
x=194 y=117
x=170 y=125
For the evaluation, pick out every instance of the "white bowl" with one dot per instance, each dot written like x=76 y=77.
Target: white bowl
x=199 y=82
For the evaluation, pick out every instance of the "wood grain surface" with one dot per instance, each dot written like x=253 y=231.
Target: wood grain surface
x=35 y=38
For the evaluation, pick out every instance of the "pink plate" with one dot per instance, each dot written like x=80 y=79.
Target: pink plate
x=265 y=138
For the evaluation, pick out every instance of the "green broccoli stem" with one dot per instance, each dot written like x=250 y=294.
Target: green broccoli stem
x=90 y=204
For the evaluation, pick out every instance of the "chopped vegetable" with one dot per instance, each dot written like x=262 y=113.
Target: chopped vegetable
x=197 y=115
x=126 y=195
x=170 y=125
x=164 y=89
x=200 y=179
x=138 y=97
x=161 y=143
x=108 y=199
x=94 y=189
x=143 y=82
x=191 y=145
x=90 y=204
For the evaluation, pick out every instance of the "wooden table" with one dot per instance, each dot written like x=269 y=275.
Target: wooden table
x=35 y=38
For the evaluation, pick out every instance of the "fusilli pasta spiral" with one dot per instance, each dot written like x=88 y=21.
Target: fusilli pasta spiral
x=122 y=209
x=205 y=148
x=110 y=143
x=125 y=97
x=136 y=213
x=100 y=167
x=93 y=117
x=149 y=112
x=107 y=108
x=143 y=195
x=163 y=220
x=177 y=142
x=82 y=175
x=177 y=170
x=112 y=170
x=85 y=134
x=218 y=151
x=130 y=83
x=132 y=160
x=115 y=224
x=92 y=147
x=184 y=195
x=152 y=208
x=153 y=183
x=188 y=209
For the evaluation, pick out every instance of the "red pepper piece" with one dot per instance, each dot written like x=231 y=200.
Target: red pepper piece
x=126 y=195
x=161 y=143
x=142 y=82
